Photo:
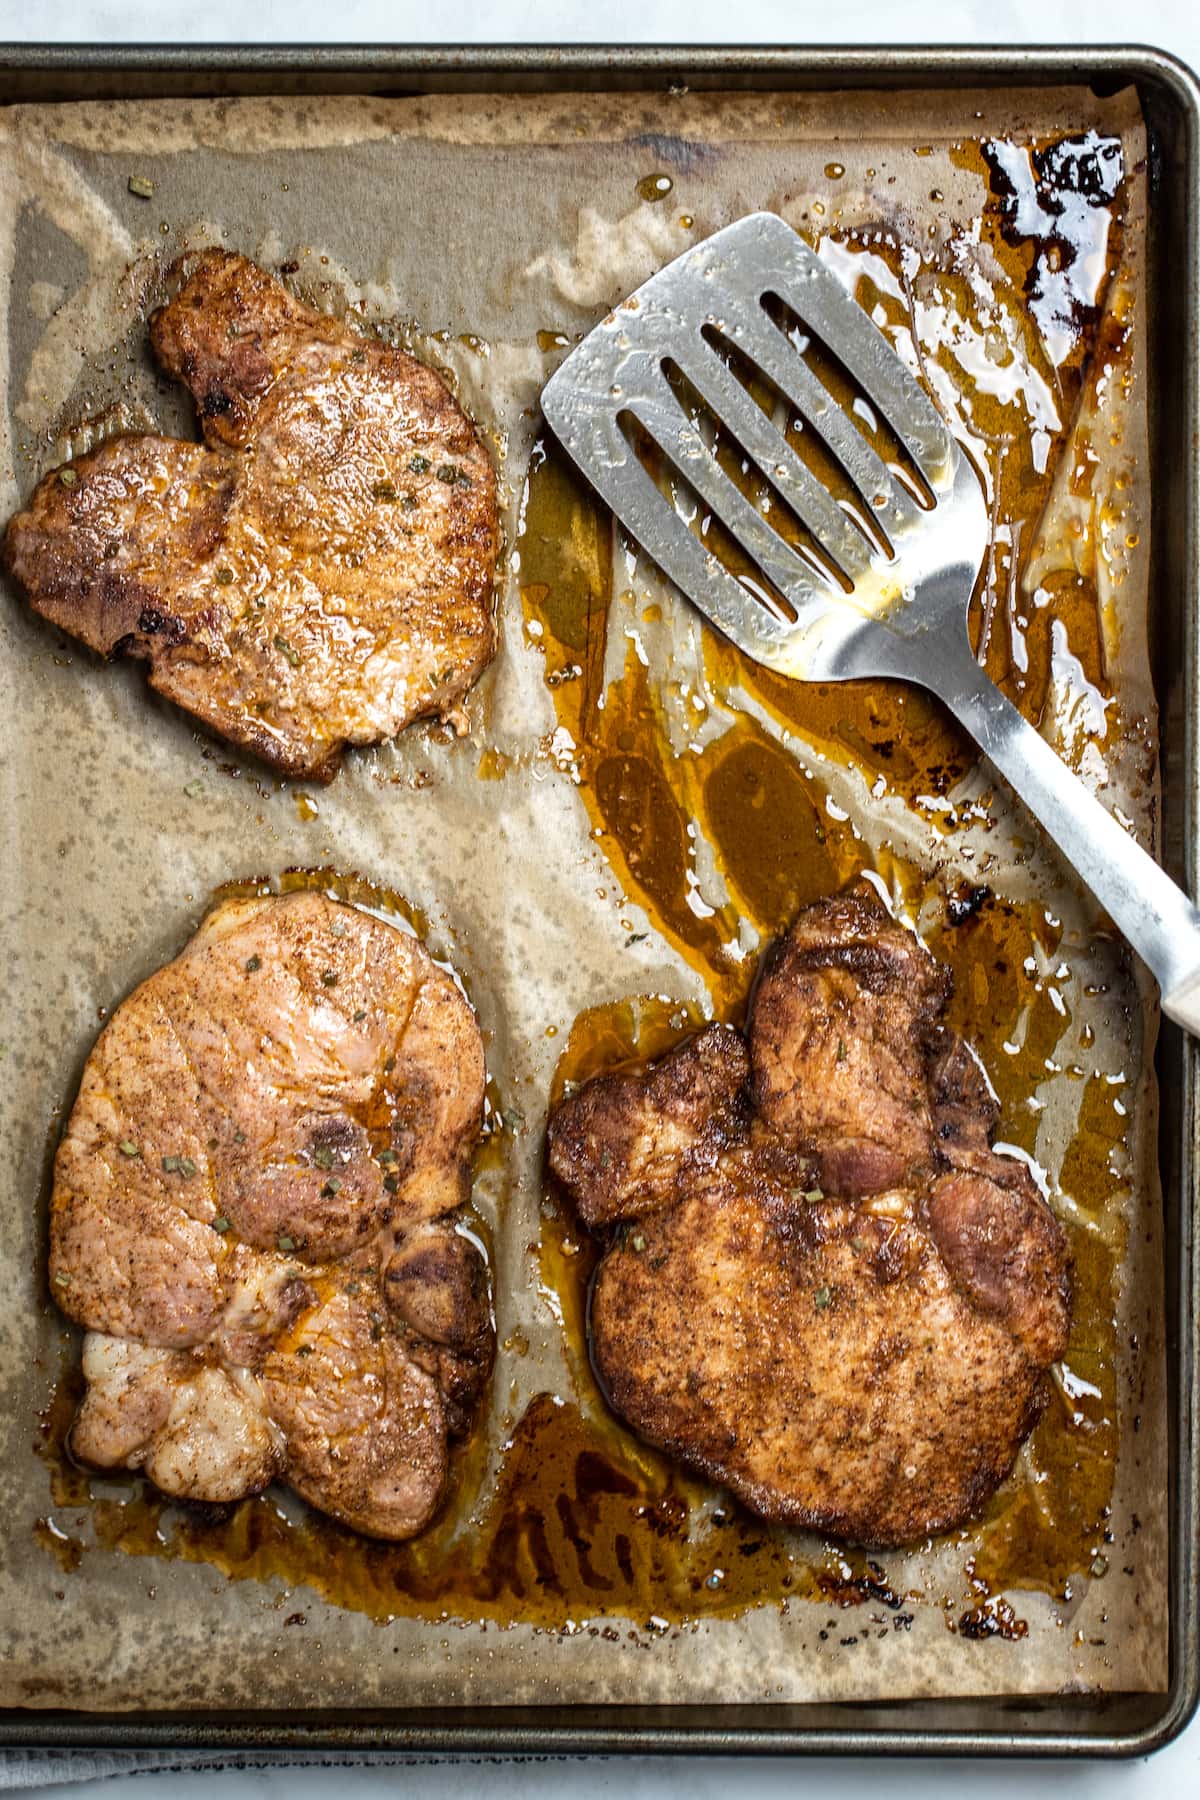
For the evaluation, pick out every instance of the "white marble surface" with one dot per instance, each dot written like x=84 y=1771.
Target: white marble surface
x=1172 y=24
x=1169 y=24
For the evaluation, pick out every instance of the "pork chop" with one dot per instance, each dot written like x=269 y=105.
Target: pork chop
x=318 y=571
x=832 y=1296
x=252 y=1215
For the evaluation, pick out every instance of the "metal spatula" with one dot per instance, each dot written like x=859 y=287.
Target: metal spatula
x=875 y=574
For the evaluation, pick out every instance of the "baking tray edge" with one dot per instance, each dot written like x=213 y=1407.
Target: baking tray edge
x=1111 y=1726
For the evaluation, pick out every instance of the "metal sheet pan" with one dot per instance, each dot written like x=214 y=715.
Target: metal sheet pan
x=1111 y=1725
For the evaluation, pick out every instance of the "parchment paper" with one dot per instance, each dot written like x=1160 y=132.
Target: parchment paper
x=477 y=224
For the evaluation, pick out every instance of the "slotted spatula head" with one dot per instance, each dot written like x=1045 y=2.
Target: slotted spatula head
x=872 y=558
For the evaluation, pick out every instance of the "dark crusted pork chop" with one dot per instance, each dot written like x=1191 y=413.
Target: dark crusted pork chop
x=826 y=1290
x=318 y=572
x=252 y=1217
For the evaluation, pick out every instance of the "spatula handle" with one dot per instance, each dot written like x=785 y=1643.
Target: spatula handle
x=1157 y=917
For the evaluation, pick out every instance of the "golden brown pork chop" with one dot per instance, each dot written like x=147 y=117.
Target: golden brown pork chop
x=828 y=1291
x=251 y=1216
x=318 y=572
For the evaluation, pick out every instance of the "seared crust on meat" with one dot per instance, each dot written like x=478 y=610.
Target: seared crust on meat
x=357 y=1391
x=436 y=1288
x=1005 y=1250
x=249 y=1217
x=820 y=1363
x=318 y=572
x=844 y=1308
x=838 y=1040
x=627 y=1143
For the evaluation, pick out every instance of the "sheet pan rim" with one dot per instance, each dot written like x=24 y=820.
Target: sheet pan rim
x=621 y=1729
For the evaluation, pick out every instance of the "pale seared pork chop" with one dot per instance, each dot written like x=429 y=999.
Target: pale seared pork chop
x=318 y=572
x=252 y=1214
x=826 y=1290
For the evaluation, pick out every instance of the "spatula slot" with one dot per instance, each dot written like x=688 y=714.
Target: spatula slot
x=757 y=617
x=752 y=452
x=852 y=398
x=695 y=513
x=753 y=430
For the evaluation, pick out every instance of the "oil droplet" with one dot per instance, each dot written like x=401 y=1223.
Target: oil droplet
x=654 y=187
x=306 y=808
x=686 y=221
x=834 y=171
x=551 y=340
x=493 y=765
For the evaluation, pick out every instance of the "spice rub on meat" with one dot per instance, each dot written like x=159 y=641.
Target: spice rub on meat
x=252 y=1215
x=318 y=571
x=825 y=1289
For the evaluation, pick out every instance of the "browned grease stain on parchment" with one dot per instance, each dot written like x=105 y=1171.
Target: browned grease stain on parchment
x=585 y=1521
